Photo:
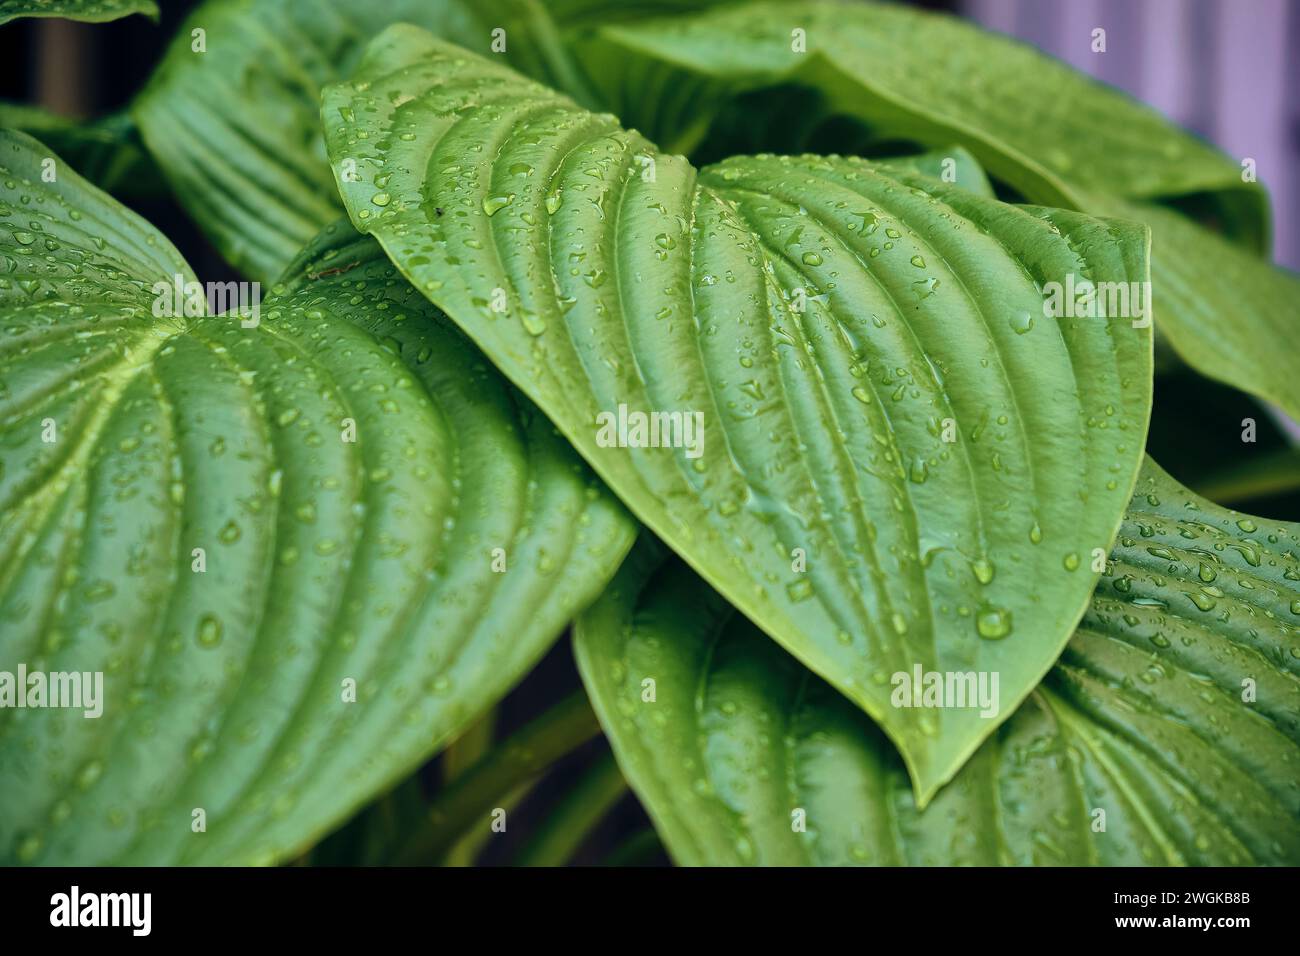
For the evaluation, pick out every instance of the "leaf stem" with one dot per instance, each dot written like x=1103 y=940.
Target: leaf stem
x=643 y=848
x=570 y=823
x=467 y=801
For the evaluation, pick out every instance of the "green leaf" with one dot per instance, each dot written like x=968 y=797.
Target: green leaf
x=129 y=441
x=1032 y=122
x=952 y=165
x=236 y=128
x=1050 y=132
x=93 y=11
x=577 y=14
x=536 y=227
x=108 y=151
x=1145 y=719
x=1229 y=314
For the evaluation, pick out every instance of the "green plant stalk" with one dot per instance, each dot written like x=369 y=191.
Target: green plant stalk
x=463 y=753
x=569 y=824
x=515 y=761
x=467 y=749
x=466 y=850
x=640 y=849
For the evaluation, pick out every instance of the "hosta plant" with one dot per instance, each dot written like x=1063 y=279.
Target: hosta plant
x=798 y=362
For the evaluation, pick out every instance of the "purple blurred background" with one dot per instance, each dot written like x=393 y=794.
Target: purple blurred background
x=1225 y=69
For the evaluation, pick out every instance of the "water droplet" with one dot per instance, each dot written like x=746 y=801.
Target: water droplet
x=28 y=847
x=494 y=204
x=209 y=631
x=534 y=324
x=924 y=288
x=983 y=570
x=993 y=622
x=800 y=590
x=88 y=775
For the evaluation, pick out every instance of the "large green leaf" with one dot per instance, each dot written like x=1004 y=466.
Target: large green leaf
x=237 y=128
x=1175 y=712
x=128 y=441
x=593 y=285
x=1030 y=120
x=1229 y=314
x=1051 y=132
x=94 y=11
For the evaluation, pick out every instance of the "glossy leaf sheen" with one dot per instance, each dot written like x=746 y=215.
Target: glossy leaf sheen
x=823 y=428
x=1228 y=313
x=324 y=559
x=1143 y=718
x=1051 y=132
x=1030 y=120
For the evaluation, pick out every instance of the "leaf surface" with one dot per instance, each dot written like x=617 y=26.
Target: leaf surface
x=823 y=324
x=1229 y=314
x=1140 y=748
x=275 y=543
x=1050 y=132
x=93 y=11
x=236 y=128
x=1032 y=121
